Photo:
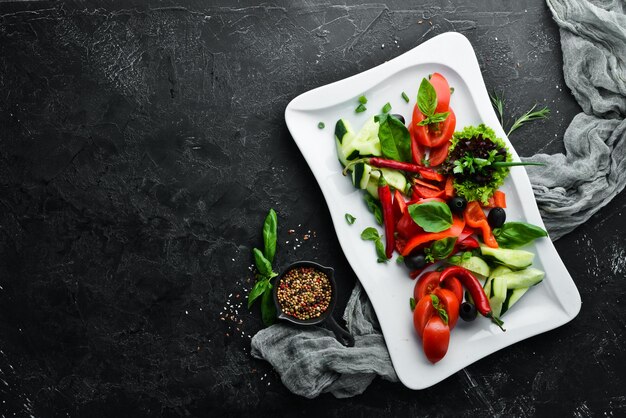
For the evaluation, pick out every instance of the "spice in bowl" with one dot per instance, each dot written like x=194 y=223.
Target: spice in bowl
x=304 y=293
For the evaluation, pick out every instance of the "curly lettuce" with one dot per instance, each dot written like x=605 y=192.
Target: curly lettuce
x=470 y=160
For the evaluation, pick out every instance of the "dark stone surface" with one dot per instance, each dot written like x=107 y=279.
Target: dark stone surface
x=140 y=148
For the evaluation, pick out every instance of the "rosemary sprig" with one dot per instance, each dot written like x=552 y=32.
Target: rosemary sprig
x=498 y=104
x=531 y=115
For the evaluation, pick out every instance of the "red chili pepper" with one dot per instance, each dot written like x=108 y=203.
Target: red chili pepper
x=473 y=286
x=427 y=173
x=384 y=194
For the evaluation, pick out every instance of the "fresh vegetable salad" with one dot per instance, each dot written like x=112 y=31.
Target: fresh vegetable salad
x=434 y=189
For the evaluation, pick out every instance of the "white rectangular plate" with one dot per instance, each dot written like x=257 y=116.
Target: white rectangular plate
x=550 y=304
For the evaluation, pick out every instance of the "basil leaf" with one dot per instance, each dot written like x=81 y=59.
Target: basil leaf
x=257 y=290
x=349 y=218
x=374 y=206
x=431 y=216
x=370 y=234
x=262 y=263
x=427 y=98
x=380 y=251
x=394 y=137
x=268 y=309
x=442 y=248
x=412 y=303
x=400 y=259
x=436 y=118
x=517 y=234
x=270 y=235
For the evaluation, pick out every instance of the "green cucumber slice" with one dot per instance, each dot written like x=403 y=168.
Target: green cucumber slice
x=361 y=175
x=515 y=259
x=523 y=278
x=498 y=291
x=476 y=265
x=512 y=296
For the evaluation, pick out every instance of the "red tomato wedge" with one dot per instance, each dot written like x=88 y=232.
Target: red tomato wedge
x=450 y=303
x=442 y=88
x=454 y=285
x=435 y=339
x=422 y=314
x=426 y=284
x=433 y=135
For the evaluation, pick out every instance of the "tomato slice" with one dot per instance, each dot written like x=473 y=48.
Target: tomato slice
x=454 y=285
x=435 y=339
x=424 y=310
x=450 y=303
x=418 y=150
x=442 y=88
x=439 y=154
x=433 y=135
x=426 y=284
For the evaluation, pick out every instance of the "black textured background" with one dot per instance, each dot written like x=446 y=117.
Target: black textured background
x=140 y=149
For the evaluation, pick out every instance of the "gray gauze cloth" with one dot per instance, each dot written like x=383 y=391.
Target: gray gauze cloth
x=569 y=190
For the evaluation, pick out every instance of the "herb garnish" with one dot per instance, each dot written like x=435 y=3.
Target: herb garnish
x=517 y=234
x=321 y=125
x=532 y=114
x=427 y=104
x=371 y=234
x=440 y=249
x=405 y=97
x=412 y=304
x=431 y=216
x=362 y=99
x=387 y=107
x=360 y=108
x=394 y=137
x=263 y=261
x=349 y=218
x=374 y=206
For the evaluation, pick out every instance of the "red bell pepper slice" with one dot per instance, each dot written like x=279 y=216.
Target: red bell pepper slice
x=455 y=230
x=475 y=217
x=420 y=191
x=406 y=226
x=399 y=205
x=449 y=188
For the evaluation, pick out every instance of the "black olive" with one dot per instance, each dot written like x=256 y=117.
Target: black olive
x=457 y=204
x=415 y=260
x=496 y=217
x=395 y=115
x=468 y=311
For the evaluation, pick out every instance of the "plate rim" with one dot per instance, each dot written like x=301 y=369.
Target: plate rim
x=465 y=63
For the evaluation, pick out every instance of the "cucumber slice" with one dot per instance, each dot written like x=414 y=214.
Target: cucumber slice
x=344 y=135
x=515 y=259
x=351 y=146
x=523 y=278
x=512 y=296
x=476 y=265
x=361 y=175
x=395 y=178
x=498 y=290
x=498 y=271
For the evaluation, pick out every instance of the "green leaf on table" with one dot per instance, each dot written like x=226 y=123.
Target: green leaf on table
x=431 y=216
x=517 y=234
x=270 y=235
x=349 y=218
x=426 y=98
x=268 y=309
x=374 y=206
x=262 y=264
x=394 y=137
x=380 y=251
x=258 y=289
x=370 y=234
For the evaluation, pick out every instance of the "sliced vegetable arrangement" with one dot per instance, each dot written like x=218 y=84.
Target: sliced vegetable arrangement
x=436 y=194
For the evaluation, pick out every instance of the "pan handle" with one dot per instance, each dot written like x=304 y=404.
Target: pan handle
x=343 y=336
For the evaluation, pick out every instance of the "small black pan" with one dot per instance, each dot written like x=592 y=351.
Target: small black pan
x=343 y=336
